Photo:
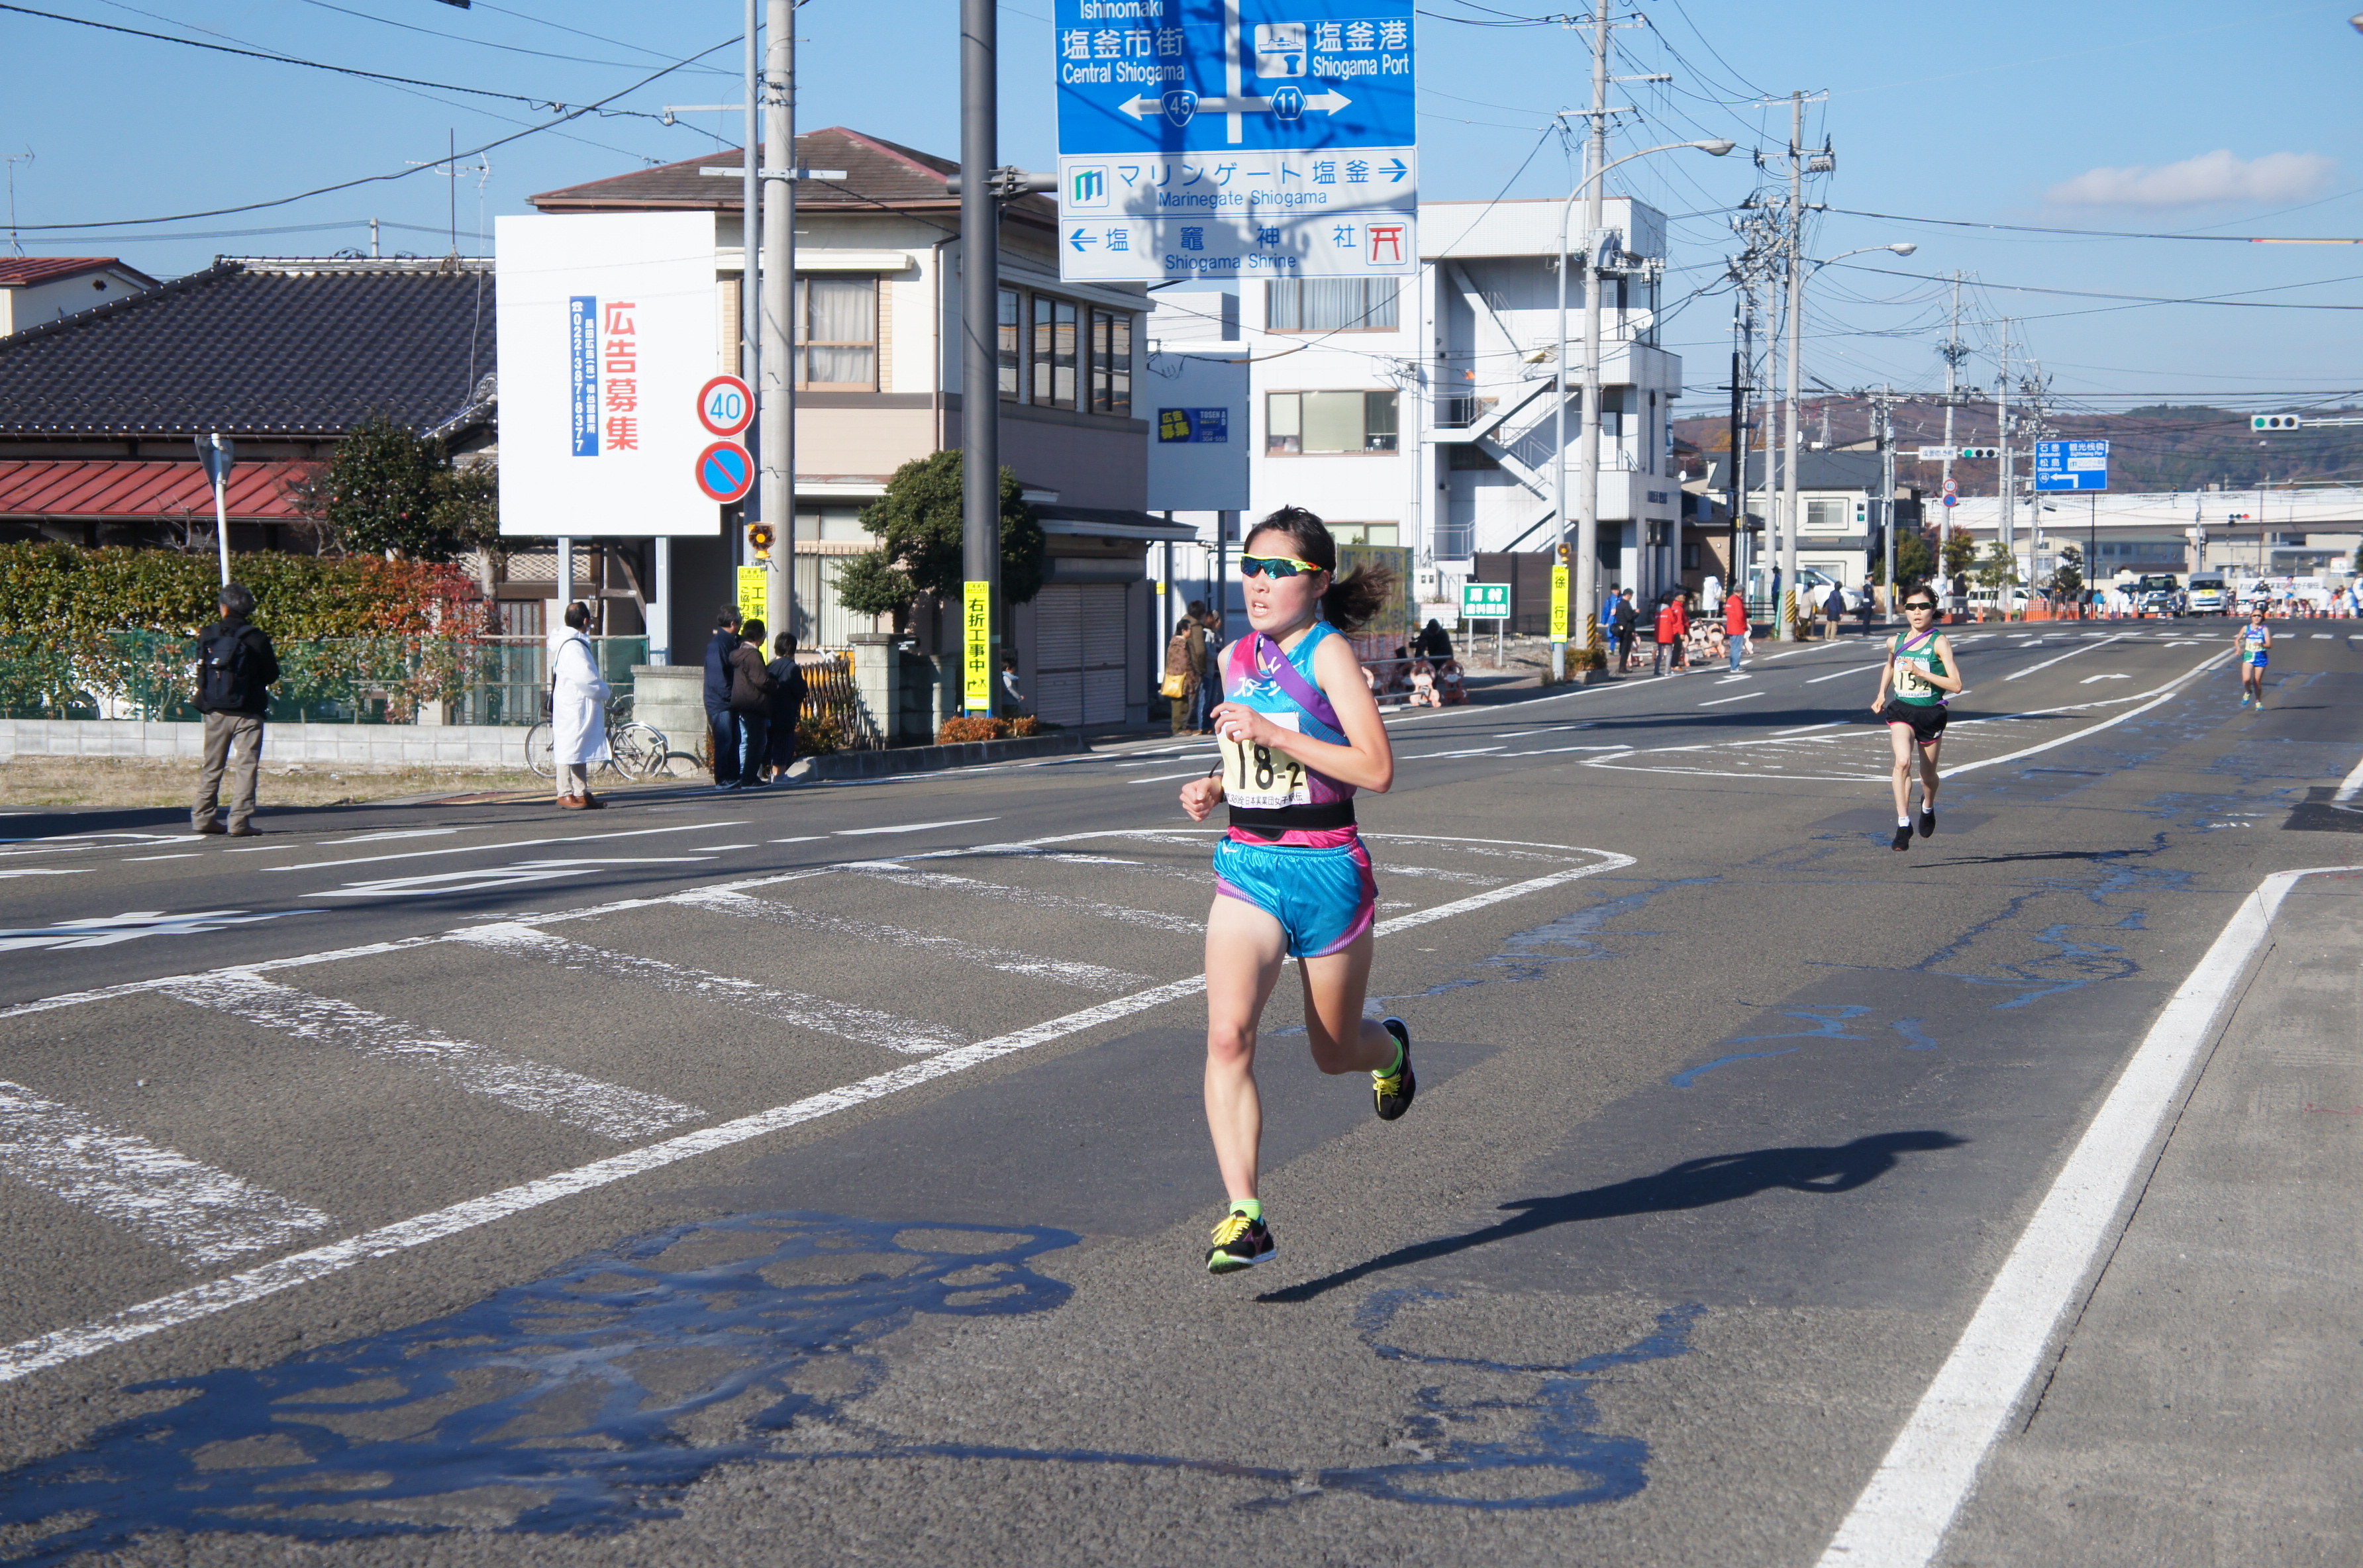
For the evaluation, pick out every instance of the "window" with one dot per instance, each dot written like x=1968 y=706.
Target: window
x=1054 y=352
x=1329 y=422
x=1111 y=362
x=1829 y=515
x=1365 y=532
x=1330 y=304
x=1690 y=557
x=837 y=334
x=1013 y=346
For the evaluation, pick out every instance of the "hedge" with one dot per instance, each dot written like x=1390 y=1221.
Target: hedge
x=74 y=623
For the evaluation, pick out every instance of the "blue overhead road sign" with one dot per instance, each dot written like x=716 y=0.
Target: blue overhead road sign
x=1228 y=137
x=2071 y=465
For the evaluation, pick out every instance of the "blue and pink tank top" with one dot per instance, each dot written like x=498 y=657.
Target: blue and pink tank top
x=1273 y=798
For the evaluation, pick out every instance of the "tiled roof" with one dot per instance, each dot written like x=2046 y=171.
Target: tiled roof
x=68 y=491
x=16 y=271
x=878 y=173
x=259 y=346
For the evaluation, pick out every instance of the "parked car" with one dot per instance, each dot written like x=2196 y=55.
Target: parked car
x=2208 y=594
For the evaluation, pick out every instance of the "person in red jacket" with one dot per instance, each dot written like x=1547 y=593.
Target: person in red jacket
x=1669 y=636
x=1735 y=626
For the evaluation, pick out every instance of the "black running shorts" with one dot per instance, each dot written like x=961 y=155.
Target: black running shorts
x=1927 y=719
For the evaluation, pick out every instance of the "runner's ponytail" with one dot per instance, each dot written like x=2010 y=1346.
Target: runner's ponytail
x=1351 y=601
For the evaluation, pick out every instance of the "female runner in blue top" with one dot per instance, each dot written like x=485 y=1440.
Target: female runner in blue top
x=1299 y=733
x=2255 y=644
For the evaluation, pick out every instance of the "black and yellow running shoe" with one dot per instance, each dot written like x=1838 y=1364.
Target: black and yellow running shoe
x=1392 y=1091
x=1239 y=1242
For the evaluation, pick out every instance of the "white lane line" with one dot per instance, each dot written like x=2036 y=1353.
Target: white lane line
x=1155 y=920
x=1426 y=755
x=913 y=827
x=1084 y=976
x=2090 y=678
x=61 y=1346
x=391 y=833
x=430 y=883
x=47 y=871
x=2321 y=636
x=716 y=848
x=1475 y=879
x=513 y=843
x=847 y=1021
x=1554 y=750
x=1736 y=697
x=1169 y=777
x=200 y=1215
x=184 y=855
x=1802 y=729
x=807 y=838
x=610 y=1109
x=1841 y=674
x=1899 y=1519
x=2343 y=796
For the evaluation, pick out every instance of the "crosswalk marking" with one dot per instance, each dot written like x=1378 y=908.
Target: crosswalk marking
x=896 y=871
x=1085 y=977
x=200 y=1215
x=848 y=1020
x=610 y=1109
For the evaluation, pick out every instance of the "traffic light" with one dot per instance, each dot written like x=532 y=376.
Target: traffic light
x=1562 y=555
x=2275 y=422
x=759 y=540
x=1968 y=452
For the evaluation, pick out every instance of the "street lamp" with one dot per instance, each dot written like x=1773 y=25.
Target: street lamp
x=1587 y=533
x=1786 y=582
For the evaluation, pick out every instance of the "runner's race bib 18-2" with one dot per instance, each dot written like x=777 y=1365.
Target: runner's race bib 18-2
x=1260 y=778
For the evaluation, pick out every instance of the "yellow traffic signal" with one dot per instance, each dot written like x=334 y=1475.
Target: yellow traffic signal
x=759 y=540
x=1562 y=555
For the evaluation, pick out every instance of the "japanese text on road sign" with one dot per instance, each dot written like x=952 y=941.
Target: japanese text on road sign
x=976 y=649
x=1484 y=601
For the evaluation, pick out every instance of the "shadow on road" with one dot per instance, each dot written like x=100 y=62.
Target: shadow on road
x=1693 y=1183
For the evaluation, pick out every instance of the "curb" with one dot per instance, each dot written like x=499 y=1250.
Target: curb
x=931 y=758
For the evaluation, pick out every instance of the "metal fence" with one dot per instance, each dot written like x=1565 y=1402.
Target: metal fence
x=380 y=681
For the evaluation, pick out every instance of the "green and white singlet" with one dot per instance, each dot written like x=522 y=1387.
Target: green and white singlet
x=1915 y=660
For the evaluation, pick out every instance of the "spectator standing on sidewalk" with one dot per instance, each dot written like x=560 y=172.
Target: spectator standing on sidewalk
x=1210 y=667
x=787 y=703
x=721 y=724
x=1628 y=627
x=1185 y=671
x=1870 y=605
x=750 y=703
x=236 y=664
x=1669 y=638
x=1833 y=610
x=578 y=711
x=1735 y=627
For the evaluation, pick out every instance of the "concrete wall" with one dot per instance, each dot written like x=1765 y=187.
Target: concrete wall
x=457 y=745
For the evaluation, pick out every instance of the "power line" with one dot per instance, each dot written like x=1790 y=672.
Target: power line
x=2229 y=302
x=2101 y=233
x=396 y=174
x=480 y=43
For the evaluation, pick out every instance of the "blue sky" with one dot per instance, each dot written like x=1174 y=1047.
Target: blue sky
x=2168 y=117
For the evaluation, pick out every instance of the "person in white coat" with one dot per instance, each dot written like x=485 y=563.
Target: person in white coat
x=578 y=711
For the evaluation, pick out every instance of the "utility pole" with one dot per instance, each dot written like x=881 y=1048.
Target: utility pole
x=1786 y=631
x=1885 y=411
x=1584 y=591
x=980 y=355
x=1955 y=351
x=776 y=399
x=2005 y=531
x=1736 y=487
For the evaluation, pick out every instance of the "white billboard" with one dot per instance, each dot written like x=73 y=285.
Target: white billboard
x=607 y=328
x=1198 y=435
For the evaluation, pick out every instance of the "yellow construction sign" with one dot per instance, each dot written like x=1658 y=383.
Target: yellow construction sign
x=1558 y=604
x=976 y=648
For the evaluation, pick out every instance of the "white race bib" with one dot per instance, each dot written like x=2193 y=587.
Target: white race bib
x=1260 y=778
x=1909 y=680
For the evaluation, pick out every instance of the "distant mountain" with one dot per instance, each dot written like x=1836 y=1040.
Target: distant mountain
x=2162 y=447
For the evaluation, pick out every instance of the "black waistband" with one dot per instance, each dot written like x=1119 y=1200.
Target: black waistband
x=1272 y=820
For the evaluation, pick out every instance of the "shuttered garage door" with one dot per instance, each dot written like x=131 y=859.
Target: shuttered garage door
x=1079 y=659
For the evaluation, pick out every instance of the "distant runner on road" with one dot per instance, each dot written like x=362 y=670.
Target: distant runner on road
x=2253 y=642
x=1299 y=733
x=1923 y=671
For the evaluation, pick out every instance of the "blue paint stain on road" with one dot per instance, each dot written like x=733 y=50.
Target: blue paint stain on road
x=556 y=1406
x=1689 y=1076
x=1916 y=1036
x=1561 y=1425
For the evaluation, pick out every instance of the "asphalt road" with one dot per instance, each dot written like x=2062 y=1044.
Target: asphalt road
x=818 y=1176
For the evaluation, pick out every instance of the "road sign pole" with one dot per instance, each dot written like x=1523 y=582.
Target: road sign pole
x=219 y=469
x=979 y=340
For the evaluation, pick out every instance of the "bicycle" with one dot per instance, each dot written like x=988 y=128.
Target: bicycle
x=634 y=750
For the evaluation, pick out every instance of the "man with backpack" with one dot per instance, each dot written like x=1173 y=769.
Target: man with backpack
x=236 y=666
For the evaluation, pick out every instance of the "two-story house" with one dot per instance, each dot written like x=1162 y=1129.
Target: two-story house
x=877 y=339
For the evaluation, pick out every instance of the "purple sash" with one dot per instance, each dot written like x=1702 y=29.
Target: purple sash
x=1284 y=672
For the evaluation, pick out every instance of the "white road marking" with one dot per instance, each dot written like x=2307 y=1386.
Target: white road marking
x=716 y=848
x=1802 y=729
x=497 y=848
x=1841 y=674
x=610 y=1109
x=1426 y=755
x=807 y=838
x=1899 y=1519
x=2164 y=694
x=847 y=1021
x=136 y=859
x=1169 y=777
x=1085 y=977
x=105 y=931
x=198 y=1214
x=1477 y=878
x=2071 y=653
x=391 y=833
x=47 y=871
x=913 y=827
x=2343 y=796
x=1735 y=697
x=1155 y=920
x=2090 y=678
x=427 y=884
x=2322 y=636
x=1554 y=750
x=132 y=1323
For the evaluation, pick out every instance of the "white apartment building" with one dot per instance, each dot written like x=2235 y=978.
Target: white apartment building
x=1419 y=412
